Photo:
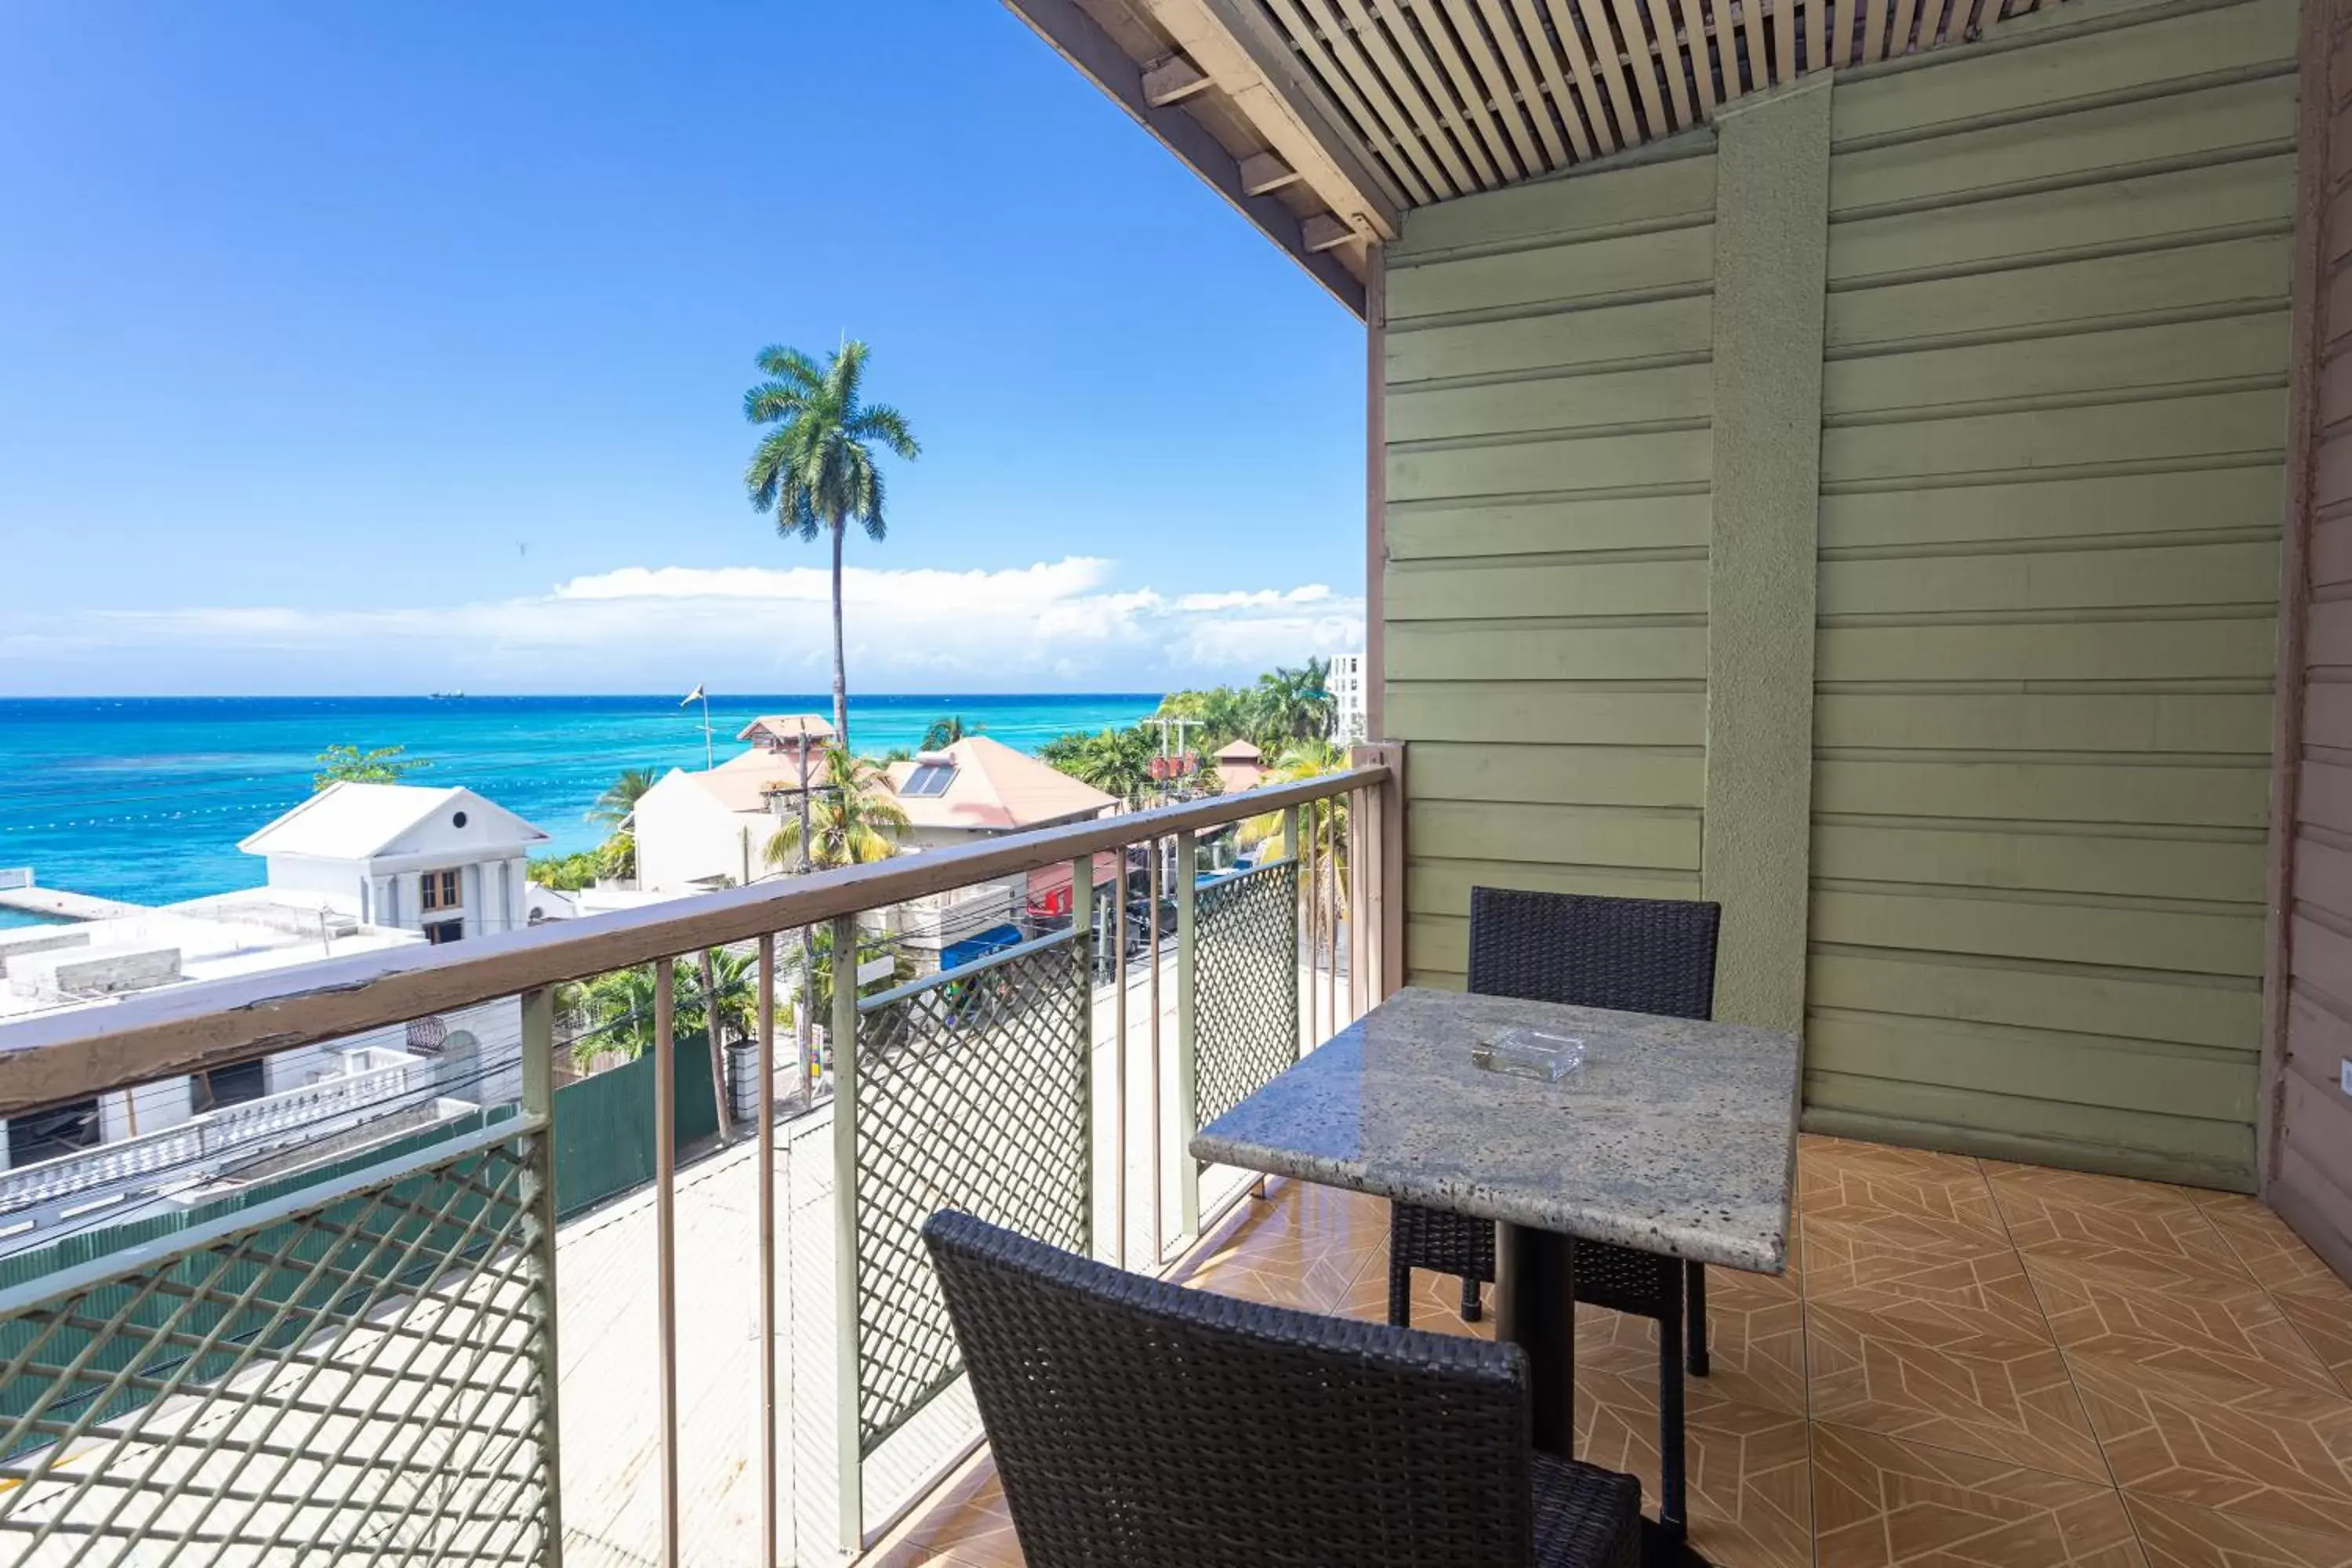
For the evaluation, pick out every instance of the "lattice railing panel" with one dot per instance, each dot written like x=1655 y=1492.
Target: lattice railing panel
x=972 y=1095
x=1244 y=985
x=358 y=1381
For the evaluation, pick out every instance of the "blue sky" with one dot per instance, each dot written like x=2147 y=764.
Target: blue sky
x=376 y=347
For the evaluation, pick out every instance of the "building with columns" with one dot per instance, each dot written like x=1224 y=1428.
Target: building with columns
x=445 y=863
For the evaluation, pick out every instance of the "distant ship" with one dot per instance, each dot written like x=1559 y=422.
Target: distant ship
x=445 y=696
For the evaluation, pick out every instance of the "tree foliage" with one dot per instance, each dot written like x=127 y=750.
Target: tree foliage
x=853 y=817
x=364 y=764
x=815 y=471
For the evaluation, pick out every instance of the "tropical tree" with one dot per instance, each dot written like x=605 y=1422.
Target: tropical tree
x=1215 y=715
x=1294 y=705
x=945 y=732
x=1322 y=824
x=1116 y=761
x=620 y=796
x=614 y=1012
x=364 y=764
x=853 y=818
x=816 y=470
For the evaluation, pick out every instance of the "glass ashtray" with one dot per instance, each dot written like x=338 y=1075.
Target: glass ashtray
x=1530 y=1052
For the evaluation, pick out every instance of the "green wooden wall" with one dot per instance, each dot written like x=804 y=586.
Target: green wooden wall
x=1548 y=468
x=2052 y=416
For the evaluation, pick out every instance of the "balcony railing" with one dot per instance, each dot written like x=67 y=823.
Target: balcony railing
x=365 y=1362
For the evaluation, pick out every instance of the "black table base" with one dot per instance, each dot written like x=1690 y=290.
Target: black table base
x=1534 y=1308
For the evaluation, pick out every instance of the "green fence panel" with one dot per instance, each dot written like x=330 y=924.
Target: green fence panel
x=604 y=1125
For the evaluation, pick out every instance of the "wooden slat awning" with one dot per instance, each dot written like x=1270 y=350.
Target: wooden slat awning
x=1325 y=120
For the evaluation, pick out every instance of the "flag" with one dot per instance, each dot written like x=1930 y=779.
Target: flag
x=692 y=696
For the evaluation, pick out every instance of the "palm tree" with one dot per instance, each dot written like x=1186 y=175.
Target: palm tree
x=1116 y=761
x=614 y=1012
x=816 y=470
x=620 y=796
x=945 y=732
x=1295 y=705
x=1322 y=824
x=853 y=818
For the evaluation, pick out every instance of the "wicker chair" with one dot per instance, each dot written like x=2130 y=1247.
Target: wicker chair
x=1137 y=1422
x=1636 y=955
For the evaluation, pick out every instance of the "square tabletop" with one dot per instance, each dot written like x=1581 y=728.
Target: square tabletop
x=1677 y=1136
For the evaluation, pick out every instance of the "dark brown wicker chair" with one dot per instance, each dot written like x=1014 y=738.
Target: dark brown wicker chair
x=1136 y=1422
x=1636 y=955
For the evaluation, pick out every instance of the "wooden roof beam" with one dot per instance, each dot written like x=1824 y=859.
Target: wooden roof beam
x=1264 y=171
x=1233 y=41
x=1078 y=38
x=1173 y=80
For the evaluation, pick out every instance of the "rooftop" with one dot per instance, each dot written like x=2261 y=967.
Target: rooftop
x=349 y=821
x=984 y=786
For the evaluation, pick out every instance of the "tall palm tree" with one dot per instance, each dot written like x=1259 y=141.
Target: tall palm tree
x=815 y=470
x=945 y=732
x=853 y=818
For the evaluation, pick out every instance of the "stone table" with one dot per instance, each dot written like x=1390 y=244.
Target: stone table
x=1675 y=1136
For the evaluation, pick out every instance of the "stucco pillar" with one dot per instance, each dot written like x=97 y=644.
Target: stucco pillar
x=1770 y=267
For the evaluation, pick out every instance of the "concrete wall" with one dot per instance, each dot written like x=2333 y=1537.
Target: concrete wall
x=1946 y=519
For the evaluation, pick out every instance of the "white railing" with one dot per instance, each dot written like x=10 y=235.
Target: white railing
x=927 y=1103
x=15 y=878
x=192 y=1150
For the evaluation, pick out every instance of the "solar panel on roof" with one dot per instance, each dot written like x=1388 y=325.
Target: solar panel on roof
x=930 y=779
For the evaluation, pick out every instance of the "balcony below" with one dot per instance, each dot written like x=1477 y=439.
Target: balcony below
x=1968 y=1362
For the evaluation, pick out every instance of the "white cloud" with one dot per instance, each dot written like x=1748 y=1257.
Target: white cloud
x=1066 y=624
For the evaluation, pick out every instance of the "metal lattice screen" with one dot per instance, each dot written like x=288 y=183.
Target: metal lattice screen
x=972 y=1095
x=1244 y=985
x=358 y=1379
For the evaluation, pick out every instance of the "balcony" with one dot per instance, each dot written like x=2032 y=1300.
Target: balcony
x=1969 y=1361
x=409 y=1352
x=502 y=1340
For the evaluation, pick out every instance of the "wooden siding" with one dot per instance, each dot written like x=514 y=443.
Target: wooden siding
x=2311 y=1171
x=1548 y=465
x=2052 y=438
x=2053 y=428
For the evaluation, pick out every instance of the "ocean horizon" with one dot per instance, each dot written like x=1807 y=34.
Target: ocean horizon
x=144 y=798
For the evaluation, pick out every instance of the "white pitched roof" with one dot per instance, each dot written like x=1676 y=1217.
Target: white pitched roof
x=354 y=821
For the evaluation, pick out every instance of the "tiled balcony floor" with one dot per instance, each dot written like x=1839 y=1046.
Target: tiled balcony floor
x=1968 y=1363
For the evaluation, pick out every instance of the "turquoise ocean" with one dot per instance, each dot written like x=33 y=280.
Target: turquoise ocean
x=145 y=798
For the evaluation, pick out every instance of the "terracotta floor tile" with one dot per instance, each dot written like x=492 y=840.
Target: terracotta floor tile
x=2277 y=1258
x=2213 y=1325
x=1837 y=1180
x=1748 y=1480
x=2242 y=1448
x=2181 y=1536
x=1983 y=1350
x=2322 y=1314
x=2005 y=1398
x=1879 y=1502
x=967 y=1524
x=2107 y=1219
x=1942 y=1272
x=1755 y=1343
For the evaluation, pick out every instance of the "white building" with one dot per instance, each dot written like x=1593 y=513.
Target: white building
x=447 y=863
x=698 y=831
x=1345 y=683
x=357 y=867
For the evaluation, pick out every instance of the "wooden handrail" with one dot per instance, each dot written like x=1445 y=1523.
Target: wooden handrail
x=80 y=1052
